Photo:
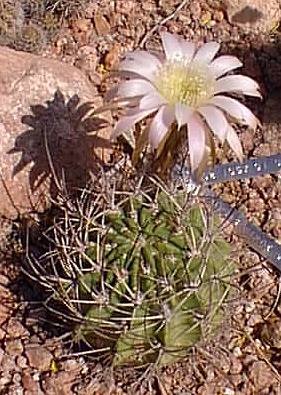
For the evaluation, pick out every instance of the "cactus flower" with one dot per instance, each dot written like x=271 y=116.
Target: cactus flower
x=185 y=85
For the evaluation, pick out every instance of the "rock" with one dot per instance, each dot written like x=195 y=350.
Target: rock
x=2 y=334
x=4 y=280
x=44 y=131
x=262 y=376
x=14 y=347
x=195 y=10
x=254 y=15
x=1 y=355
x=4 y=380
x=31 y=386
x=16 y=329
x=8 y=364
x=6 y=303
x=39 y=358
x=112 y=57
x=17 y=378
x=21 y=362
x=16 y=389
x=124 y=6
x=236 y=365
x=60 y=384
x=101 y=25
x=81 y=29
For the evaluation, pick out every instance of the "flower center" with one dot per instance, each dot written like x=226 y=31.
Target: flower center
x=189 y=85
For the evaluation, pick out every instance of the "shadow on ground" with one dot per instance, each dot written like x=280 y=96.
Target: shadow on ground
x=58 y=145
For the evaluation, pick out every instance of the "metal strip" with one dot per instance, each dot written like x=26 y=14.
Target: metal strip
x=253 y=236
x=239 y=171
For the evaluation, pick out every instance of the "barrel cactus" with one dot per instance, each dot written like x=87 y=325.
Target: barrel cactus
x=143 y=282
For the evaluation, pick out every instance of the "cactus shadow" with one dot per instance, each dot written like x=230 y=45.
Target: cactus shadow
x=61 y=145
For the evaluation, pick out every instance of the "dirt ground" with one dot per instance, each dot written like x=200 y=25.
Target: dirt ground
x=245 y=357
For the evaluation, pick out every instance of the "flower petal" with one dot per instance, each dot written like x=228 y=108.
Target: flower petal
x=236 y=110
x=141 y=63
x=196 y=141
x=206 y=52
x=234 y=142
x=237 y=83
x=224 y=64
x=159 y=125
x=171 y=45
x=144 y=57
x=182 y=114
x=134 y=87
x=152 y=100
x=188 y=50
x=129 y=120
x=216 y=120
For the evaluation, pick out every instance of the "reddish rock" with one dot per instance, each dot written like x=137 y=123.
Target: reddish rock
x=39 y=358
x=254 y=15
x=8 y=364
x=101 y=24
x=15 y=329
x=262 y=376
x=31 y=386
x=1 y=355
x=5 y=305
x=2 y=334
x=112 y=57
x=61 y=383
x=44 y=130
x=14 y=347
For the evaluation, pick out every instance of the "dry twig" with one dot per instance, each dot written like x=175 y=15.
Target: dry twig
x=161 y=23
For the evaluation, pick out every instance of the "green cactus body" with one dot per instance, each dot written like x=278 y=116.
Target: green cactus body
x=163 y=277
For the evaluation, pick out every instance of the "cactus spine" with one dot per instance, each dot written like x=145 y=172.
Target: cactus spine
x=159 y=279
x=142 y=282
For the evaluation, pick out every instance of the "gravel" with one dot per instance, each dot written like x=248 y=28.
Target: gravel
x=245 y=356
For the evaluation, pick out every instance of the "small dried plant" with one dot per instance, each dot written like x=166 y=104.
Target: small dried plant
x=29 y=25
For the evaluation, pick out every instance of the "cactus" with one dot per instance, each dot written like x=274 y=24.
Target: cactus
x=142 y=282
x=153 y=281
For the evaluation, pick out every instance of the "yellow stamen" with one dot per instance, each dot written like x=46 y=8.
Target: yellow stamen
x=189 y=85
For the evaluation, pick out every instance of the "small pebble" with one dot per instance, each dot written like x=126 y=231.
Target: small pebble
x=17 y=378
x=101 y=25
x=5 y=379
x=218 y=16
x=228 y=391
x=4 y=280
x=112 y=57
x=36 y=376
x=39 y=357
x=237 y=352
x=16 y=390
x=14 y=347
x=249 y=307
x=1 y=354
x=16 y=329
x=82 y=25
x=21 y=361
x=195 y=10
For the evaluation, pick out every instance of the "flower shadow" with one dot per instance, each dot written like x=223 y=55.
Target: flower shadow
x=61 y=145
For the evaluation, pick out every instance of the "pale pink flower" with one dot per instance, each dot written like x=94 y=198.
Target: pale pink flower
x=185 y=85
